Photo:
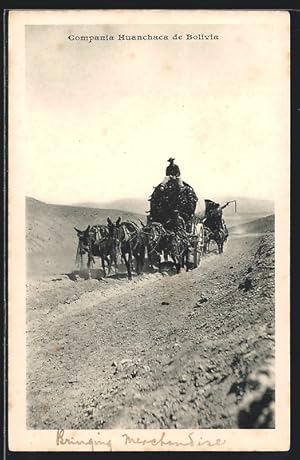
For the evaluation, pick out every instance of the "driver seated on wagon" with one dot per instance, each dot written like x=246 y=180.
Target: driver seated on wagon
x=214 y=216
x=172 y=171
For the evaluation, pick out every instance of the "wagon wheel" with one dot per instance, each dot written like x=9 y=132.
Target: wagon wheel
x=199 y=252
x=196 y=256
x=199 y=247
x=196 y=251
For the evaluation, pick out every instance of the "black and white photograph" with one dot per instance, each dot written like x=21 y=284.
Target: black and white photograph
x=149 y=230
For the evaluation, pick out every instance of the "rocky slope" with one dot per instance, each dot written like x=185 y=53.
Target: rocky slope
x=158 y=352
x=262 y=225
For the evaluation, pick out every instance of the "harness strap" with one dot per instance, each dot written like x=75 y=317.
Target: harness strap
x=157 y=242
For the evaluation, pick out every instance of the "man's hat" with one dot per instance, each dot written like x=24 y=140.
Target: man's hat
x=171 y=159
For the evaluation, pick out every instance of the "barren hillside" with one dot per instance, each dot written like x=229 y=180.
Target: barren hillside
x=263 y=225
x=51 y=240
x=251 y=206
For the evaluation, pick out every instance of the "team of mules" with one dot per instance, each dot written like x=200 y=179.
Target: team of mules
x=127 y=242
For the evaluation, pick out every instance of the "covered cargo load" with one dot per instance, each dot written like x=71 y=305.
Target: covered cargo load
x=170 y=196
x=209 y=205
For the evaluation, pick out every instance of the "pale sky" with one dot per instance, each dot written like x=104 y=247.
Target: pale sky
x=104 y=117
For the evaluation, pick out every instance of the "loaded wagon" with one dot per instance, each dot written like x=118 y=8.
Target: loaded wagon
x=171 y=196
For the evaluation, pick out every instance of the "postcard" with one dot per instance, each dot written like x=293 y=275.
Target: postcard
x=148 y=230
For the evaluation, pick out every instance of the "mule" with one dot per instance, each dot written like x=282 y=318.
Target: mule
x=103 y=246
x=217 y=235
x=83 y=245
x=137 y=243
x=152 y=235
x=177 y=247
x=95 y=242
x=161 y=242
x=130 y=244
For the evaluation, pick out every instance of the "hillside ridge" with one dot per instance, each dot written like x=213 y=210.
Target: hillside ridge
x=262 y=225
x=51 y=240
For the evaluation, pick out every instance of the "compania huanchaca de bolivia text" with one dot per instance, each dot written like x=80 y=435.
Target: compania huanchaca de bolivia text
x=149 y=37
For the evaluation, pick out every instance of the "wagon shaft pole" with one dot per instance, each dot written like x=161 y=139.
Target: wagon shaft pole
x=235 y=205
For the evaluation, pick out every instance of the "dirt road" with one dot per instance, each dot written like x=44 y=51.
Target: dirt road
x=156 y=352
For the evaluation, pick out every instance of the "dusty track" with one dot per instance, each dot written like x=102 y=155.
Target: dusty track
x=157 y=352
